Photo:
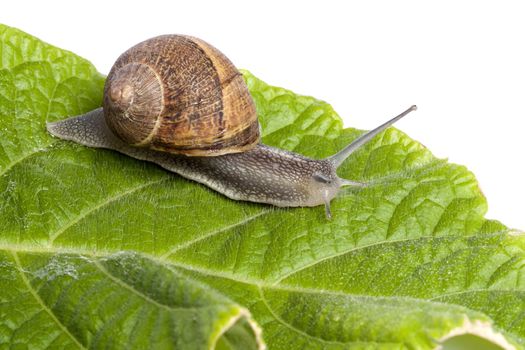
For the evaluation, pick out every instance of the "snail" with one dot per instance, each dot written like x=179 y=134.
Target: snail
x=180 y=103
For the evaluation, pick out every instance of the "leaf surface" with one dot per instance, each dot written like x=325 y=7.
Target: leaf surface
x=100 y=250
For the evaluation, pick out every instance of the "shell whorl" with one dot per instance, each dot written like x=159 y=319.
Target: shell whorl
x=179 y=94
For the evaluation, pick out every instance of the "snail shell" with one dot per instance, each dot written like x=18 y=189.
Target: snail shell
x=178 y=94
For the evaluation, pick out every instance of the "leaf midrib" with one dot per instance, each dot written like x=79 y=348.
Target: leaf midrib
x=257 y=283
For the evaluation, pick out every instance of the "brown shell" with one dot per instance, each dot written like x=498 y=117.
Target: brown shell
x=179 y=94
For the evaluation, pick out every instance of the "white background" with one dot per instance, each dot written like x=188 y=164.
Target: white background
x=461 y=62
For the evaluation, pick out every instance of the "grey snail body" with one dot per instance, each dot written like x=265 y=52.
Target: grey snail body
x=252 y=172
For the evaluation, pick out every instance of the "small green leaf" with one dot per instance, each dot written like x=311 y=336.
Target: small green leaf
x=100 y=250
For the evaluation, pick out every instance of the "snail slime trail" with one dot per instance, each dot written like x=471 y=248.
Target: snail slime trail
x=180 y=103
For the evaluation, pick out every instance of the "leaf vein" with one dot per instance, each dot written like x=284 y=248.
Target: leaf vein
x=41 y=302
x=353 y=249
x=291 y=327
x=132 y=289
x=242 y=222
x=472 y=291
x=53 y=236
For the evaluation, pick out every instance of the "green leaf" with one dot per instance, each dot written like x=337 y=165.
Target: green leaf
x=72 y=300
x=100 y=250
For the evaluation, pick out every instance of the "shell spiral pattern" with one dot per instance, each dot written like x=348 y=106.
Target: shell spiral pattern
x=178 y=94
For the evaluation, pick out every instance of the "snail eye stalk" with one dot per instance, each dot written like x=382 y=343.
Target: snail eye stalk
x=338 y=158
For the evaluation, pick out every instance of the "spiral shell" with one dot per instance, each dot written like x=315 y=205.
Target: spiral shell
x=178 y=94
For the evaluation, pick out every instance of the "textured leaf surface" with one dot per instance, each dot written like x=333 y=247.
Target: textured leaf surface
x=99 y=250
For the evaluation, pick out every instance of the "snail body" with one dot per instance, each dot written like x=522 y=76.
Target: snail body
x=228 y=159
